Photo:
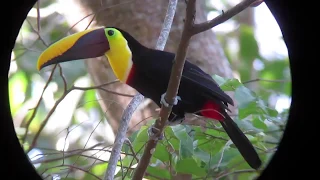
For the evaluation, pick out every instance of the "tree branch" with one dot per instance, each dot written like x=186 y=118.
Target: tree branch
x=189 y=30
x=171 y=90
x=121 y=135
x=226 y=15
x=136 y=101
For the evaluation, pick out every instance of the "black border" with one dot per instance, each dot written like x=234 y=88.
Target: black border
x=293 y=152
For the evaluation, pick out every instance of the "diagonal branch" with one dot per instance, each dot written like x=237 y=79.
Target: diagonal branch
x=226 y=15
x=121 y=135
x=189 y=30
x=171 y=91
x=137 y=99
x=35 y=109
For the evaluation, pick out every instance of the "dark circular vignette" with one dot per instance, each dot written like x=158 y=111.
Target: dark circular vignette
x=289 y=158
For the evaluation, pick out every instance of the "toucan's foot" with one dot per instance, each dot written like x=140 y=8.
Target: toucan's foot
x=152 y=131
x=166 y=104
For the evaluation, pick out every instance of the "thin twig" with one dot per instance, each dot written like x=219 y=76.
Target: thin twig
x=90 y=135
x=27 y=48
x=33 y=115
x=38 y=33
x=137 y=99
x=67 y=154
x=63 y=79
x=128 y=142
x=236 y=172
x=103 y=89
x=100 y=10
x=226 y=15
x=131 y=163
x=45 y=121
x=121 y=135
x=266 y=80
x=74 y=167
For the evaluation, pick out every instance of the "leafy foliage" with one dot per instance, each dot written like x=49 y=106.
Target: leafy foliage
x=208 y=151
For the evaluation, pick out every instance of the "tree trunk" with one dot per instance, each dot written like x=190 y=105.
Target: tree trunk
x=143 y=19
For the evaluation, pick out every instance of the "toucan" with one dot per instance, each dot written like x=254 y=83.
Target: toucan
x=148 y=71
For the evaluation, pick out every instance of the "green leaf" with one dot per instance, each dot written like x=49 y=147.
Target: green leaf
x=231 y=85
x=128 y=160
x=157 y=172
x=249 y=49
x=18 y=84
x=132 y=137
x=141 y=139
x=248 y=175
x=272 y=112
x=202 y=155
x=244 y=96
x=189 y=166
x=90 y=100
x=169 y=132
x=99 y=169
x=256 y=107
x=216 y=133
x=246 y=125
x=220 y=80
x=258 y=123
x=142 y=135
x=161 y=153
x=174 y=142
x=227 y=84
x=223 y=158
x=207 y=142
x=238 y=162
x=276 y=70
x=248 y=110
x=186 y=143
x=288 y=89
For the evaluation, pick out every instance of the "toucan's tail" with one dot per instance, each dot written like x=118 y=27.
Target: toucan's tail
x=213 y=110
x=243 y=144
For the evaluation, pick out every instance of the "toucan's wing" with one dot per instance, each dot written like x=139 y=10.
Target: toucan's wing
x=157 y=65
x=195 y=75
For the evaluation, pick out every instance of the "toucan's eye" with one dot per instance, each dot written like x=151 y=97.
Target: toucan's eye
x=110 y=32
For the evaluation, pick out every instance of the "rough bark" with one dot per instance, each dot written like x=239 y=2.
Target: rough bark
x=143 y=19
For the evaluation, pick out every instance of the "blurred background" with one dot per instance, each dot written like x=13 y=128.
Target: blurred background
x=248 y=47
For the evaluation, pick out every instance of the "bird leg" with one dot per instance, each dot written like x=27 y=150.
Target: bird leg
x=166 y=104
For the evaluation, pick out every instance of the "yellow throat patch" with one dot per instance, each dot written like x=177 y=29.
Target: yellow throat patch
x=119 y=55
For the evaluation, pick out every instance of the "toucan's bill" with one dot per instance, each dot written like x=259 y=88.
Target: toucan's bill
x=85 y=44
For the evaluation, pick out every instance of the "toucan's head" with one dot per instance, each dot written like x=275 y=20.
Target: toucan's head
x=110 y=41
